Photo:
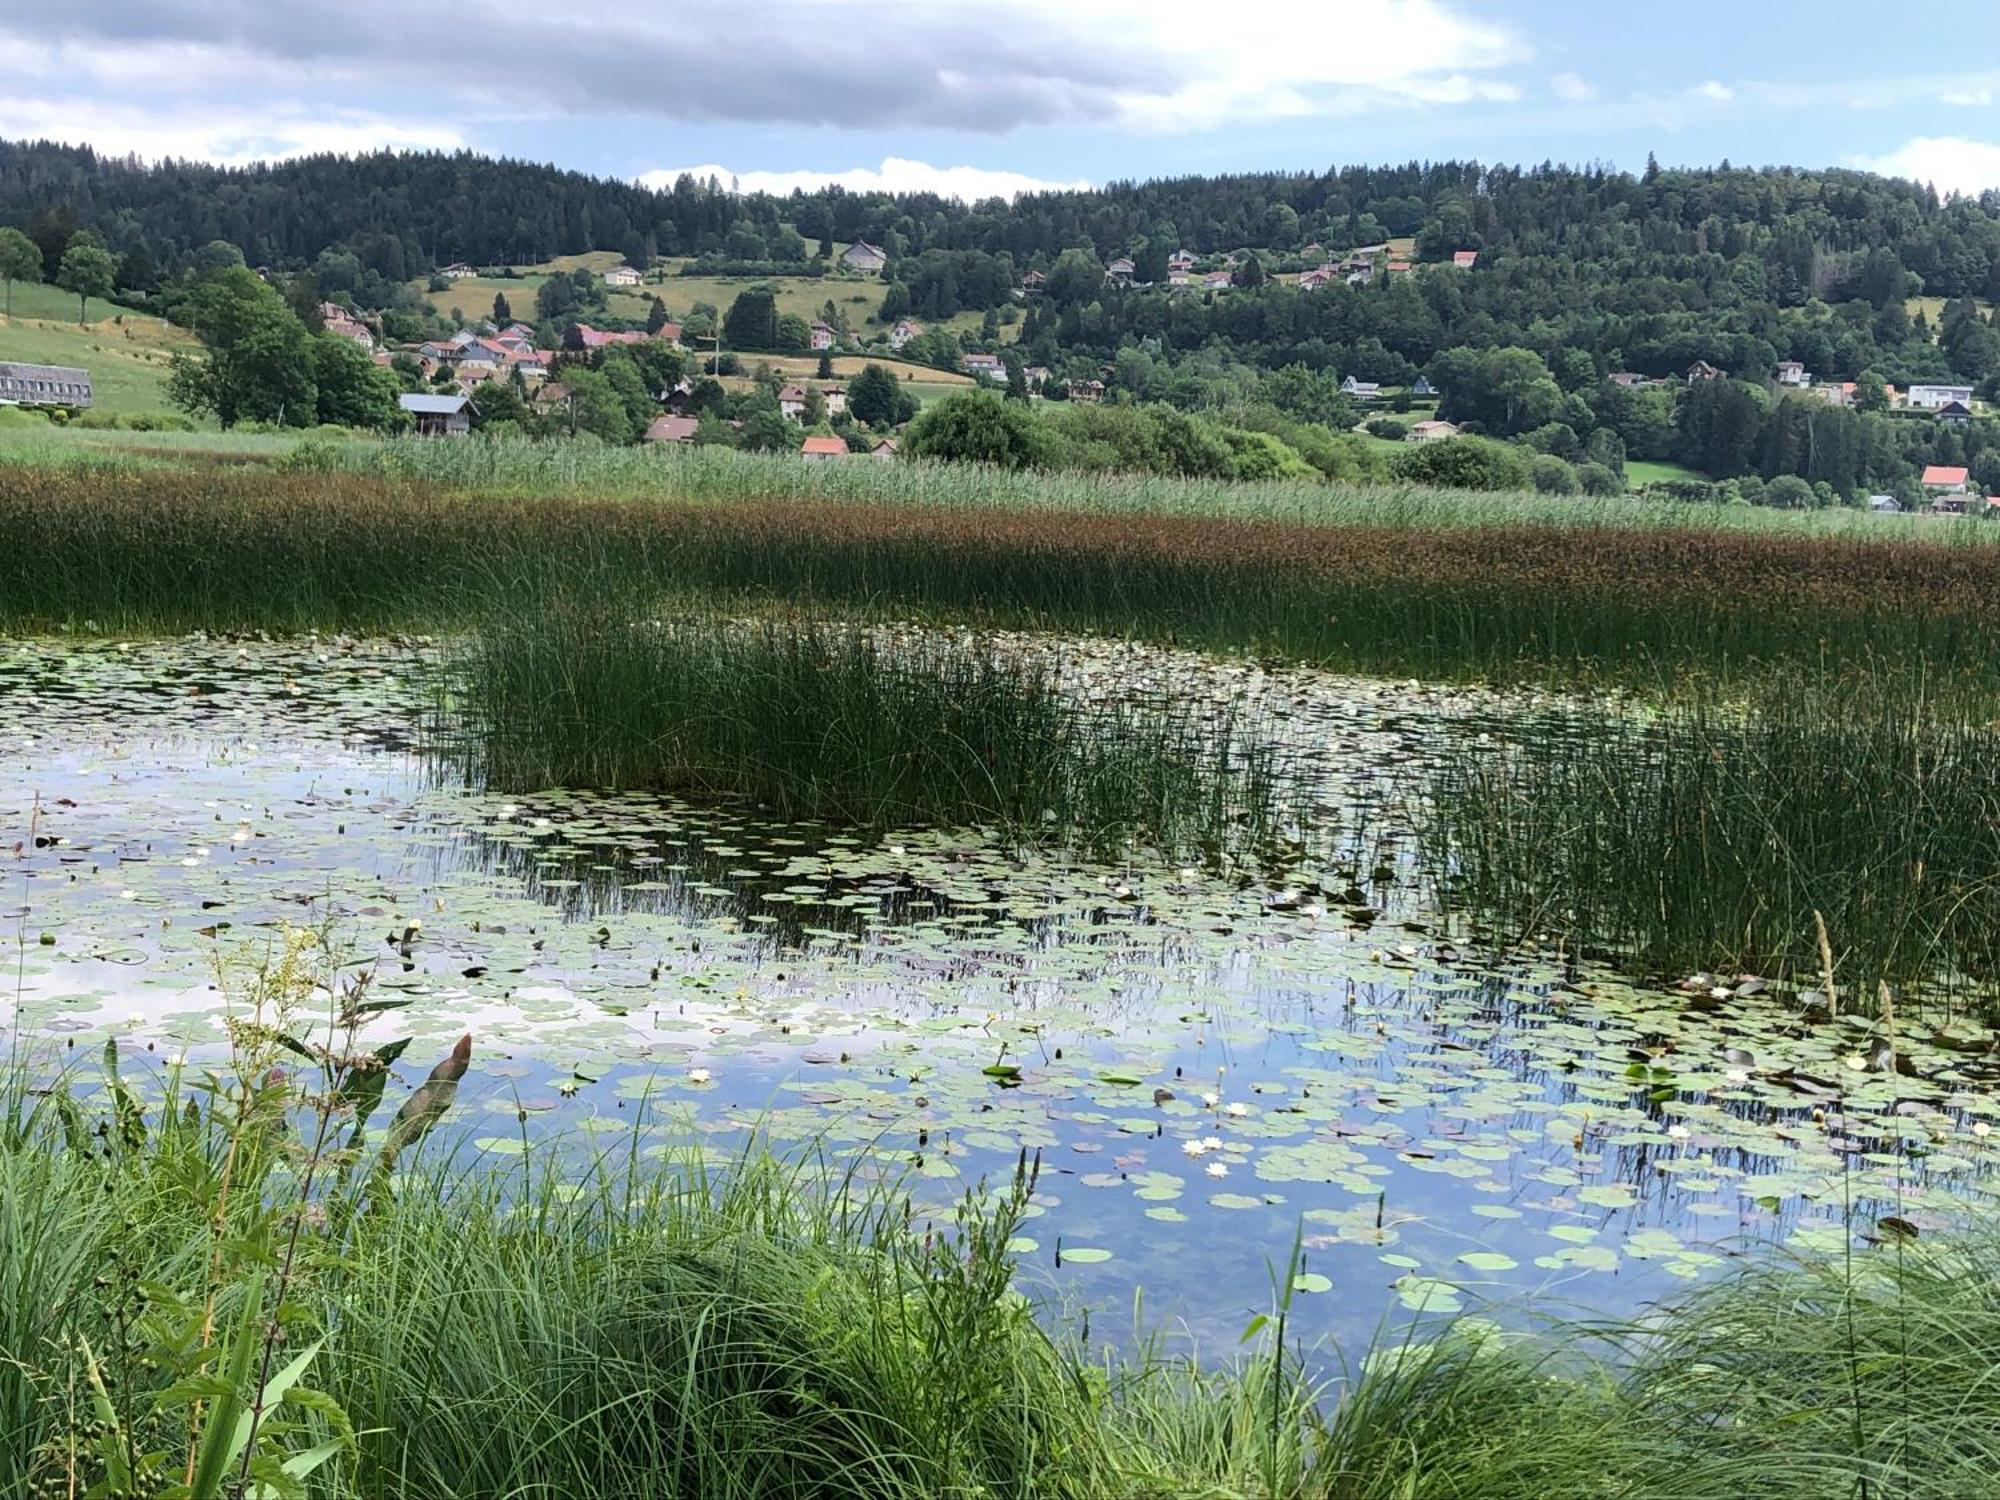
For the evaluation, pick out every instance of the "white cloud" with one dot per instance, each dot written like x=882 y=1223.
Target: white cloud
x=1950 y=163
x=231 y=137
x=1968 y=98
x=1720 y=93
x=895 y=175
x=1156 y=65
x=1296 y=58
x=1573 y=87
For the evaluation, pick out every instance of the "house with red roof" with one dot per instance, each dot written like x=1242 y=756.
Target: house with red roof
x=822 y=335
x=586 y=337
x=1945 y=479
x=1465 y=260
x=823 y=447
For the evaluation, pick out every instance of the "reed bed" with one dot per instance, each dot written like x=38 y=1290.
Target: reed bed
x=1726 y=836
x=126 y=551
x=563 y=1322
x=816 y=721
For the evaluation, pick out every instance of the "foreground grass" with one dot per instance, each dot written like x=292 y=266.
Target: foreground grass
x=1737 y=838
x=815 y=721
x=557 y=1324
x=171 y=549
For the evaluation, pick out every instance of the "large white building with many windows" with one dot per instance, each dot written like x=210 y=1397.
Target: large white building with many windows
x=44 y=385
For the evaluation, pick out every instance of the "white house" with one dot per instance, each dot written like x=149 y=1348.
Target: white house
x=1361 y=390
x=986 y=366
x=1120 y=269
x=44 y=385
x=458 y=270
x=1945 y=479
x=905 y=331
x=835 y=397
x=1792 y=373
x=1935 y=397
x=822 y=335
x=1216 y=281
x=1180 y=260
x=1433 y=432
x=622 y=276
x=792 y=401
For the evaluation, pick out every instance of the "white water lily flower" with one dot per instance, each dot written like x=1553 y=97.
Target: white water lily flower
x=1856 y=1063
x=1678 y=1132
x=699 y=1075
x=1195 y=1148
x=1218 y=1169
x=1738 y=1075
x=1211 y=1100
x=1238 y=1109
x=1981 y=1129
x=1212 y=1143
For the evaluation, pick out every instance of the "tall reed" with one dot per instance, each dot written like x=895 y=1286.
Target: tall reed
x=122 y=550
x=811 y=720
x=1719 y=835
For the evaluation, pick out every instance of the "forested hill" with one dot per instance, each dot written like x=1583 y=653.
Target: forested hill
x=1781 y=235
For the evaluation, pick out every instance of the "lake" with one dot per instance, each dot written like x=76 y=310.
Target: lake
x=1213 y=1065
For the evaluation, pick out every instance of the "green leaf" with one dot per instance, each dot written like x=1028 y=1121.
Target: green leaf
x=217 y=1449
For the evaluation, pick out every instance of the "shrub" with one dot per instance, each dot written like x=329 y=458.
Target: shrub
x=1551 y=476
x=1465 y=463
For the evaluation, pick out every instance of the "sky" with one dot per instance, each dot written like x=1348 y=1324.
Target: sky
x=983 y=97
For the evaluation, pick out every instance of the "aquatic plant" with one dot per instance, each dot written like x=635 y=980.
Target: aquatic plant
x=1737 y=837
x=874 y=729
x=591 y=1320
x=1461 y=593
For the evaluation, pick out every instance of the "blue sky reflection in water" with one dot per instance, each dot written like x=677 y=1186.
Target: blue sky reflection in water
x=1206 y=1065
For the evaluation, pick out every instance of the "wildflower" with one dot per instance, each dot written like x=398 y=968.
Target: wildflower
x=1218 y=1169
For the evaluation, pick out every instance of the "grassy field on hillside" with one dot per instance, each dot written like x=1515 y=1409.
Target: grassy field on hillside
x=800 y=295
x=125 y=352
x=1639 y=473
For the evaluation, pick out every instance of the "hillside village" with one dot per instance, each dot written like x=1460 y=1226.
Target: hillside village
x=1201 y=359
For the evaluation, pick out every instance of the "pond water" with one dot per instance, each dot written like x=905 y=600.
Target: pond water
x=1209 y=1066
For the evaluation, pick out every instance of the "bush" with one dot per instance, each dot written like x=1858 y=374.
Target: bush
x=1388 y=428
x=1464 y=463
x=1596 y=479
x=1551 y=476
x=979 y=427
